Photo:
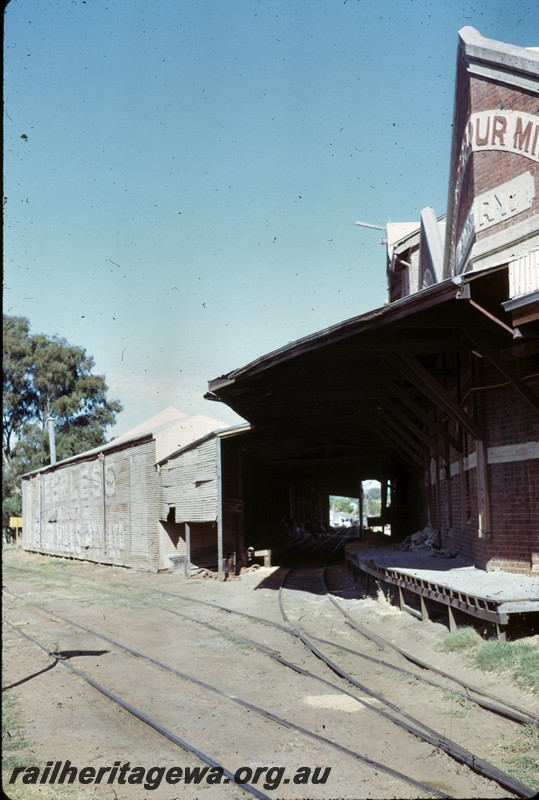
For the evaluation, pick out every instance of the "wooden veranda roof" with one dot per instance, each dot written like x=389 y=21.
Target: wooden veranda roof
x=360 y=397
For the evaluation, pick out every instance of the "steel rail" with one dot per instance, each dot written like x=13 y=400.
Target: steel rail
x=507 y=713
x=385 y=643
x=208 y=603
x=141 y=715
x=511 y=711
x=424 y=732
x=170 y=594
x=523 y=718
x=508 y=710
x=258 y=710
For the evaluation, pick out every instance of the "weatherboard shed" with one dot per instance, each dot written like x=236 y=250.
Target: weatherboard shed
x=105 y=505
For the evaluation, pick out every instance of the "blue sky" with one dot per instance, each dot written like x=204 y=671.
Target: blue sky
x=185 y=199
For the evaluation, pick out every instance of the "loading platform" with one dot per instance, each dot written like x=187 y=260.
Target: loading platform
x=452 y=582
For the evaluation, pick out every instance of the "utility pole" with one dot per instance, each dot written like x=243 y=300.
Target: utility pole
x=52 y=439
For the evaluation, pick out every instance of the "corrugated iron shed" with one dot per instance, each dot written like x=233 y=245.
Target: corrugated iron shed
x=105 y=504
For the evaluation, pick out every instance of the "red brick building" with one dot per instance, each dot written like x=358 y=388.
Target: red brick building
x=493 y=225
x=437 y=393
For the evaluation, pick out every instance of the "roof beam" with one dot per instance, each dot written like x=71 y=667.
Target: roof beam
x=314 y=395
x=416 y=373
x=315 y=462
x=413 y=447
x=420 y=434
x=423 y=345
x=399 y=449
x=429 y=421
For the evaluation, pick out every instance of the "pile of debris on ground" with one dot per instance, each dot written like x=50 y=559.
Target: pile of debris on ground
x=425 y=540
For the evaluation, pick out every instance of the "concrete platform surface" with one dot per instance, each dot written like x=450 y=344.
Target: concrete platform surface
x=520 y=591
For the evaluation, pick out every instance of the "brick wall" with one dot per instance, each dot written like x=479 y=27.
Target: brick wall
x=512 y=434
x=514 y=505
x=483 y=171
x=493 y=168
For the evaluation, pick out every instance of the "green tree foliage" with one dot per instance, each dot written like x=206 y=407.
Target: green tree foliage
x=47 y=377
x=343 y=505
x=372 y=501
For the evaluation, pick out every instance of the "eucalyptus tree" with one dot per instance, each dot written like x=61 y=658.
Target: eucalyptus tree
x=45 y=377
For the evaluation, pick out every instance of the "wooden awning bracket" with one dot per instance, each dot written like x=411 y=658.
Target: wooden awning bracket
x=415 y=372
x=514 y=332
x=503 y=368
x=430 y=422
x=416 y=450
x=416 y=431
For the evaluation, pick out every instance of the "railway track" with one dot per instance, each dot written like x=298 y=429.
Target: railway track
x=407 y=721
x=390 y=712
x=139 y=714
x=161 y=729
x=473 y=694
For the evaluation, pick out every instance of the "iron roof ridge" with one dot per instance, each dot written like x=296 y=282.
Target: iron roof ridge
x=87 y=455
x=222 y=433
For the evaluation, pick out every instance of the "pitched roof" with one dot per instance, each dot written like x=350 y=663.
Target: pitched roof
x=171 y=429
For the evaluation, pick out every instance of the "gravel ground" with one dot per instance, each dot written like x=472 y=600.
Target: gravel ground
x=56 y=716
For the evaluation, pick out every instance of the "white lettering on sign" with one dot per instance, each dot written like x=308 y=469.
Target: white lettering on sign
x=512 y=131
x=505 y=201
x=465 y=240
x=488 y=209
x=494 y=129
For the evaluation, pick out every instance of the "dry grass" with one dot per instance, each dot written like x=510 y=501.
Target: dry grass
x=461 y=639
x=522 y=758
x=385 y=602
x=517 y=661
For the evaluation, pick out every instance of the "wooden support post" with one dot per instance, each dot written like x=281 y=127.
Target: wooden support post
x=401 y=599
x=16 y=522
x=452 y=623
x=361 y=508
x=483 y=495
x=384 y=503
x=40 y=509
x=449 y=492
x=219 y=509
x=187 y=550
x=424 y=609
x=437 y=493
x=464 y=499
x=101 y=458
x=362 y=580
x=501 y=632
